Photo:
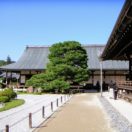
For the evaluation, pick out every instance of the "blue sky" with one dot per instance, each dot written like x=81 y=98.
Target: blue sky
x=45 y=22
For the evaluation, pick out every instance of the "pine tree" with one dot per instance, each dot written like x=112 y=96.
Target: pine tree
x=67 y=66
x=8 y=60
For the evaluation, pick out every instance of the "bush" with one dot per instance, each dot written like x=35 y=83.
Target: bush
x=9 y=93
x=57 y=85
x=4 y=99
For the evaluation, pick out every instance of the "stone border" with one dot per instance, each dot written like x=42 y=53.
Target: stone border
x=118 y=121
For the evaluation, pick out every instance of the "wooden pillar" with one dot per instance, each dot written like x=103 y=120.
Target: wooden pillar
x=6 y=77
x=30 y=120
x=93 y=77
x=11 y=78
x=19 y=82
x=115 y=76
x=57 y=102
x=104 y=74
x=43 y=111
x=52 y=106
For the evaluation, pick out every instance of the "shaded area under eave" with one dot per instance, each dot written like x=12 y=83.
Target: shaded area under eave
x=119 y=45
x=10 y=75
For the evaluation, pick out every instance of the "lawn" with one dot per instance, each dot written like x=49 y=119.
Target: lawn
x=12 y=104
x=29 y=93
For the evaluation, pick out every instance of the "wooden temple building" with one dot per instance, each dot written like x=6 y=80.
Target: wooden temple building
x=116 y=55
x=119 y=47
x=35 y=58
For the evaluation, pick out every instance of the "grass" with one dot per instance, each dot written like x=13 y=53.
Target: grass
x=12 y=104
x=29 y=93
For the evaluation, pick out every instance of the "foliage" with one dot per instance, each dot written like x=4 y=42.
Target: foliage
x=2 y=62
x=47 y=82
x=67 y=66
x=1 y=80
x=9 y=93
x=8 y=60
x=4 y=99
x=39 y=80
x=68 y=60
x=59 y=85
x=24 y=92
x=12 y=104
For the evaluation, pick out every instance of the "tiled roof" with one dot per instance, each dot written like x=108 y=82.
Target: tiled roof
x=36 y=58
x=93 y=55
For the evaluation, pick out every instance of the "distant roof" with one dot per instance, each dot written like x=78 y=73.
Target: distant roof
x=33 y=58
x=36 y=58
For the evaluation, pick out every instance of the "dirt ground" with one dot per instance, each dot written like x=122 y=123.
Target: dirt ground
x=83 y=113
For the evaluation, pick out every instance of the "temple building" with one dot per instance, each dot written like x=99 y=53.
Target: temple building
x=114 y=59
x=35 y=58
x=119 y=45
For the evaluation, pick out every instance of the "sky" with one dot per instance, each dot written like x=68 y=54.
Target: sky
x=45 y=22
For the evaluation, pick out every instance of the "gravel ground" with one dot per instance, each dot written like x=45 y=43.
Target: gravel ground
x=118 y=122
x=83 y=113
x=17 y=118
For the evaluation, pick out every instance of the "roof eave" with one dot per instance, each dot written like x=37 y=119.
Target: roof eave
x=118 y=23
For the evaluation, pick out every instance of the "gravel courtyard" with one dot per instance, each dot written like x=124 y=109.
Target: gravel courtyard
x=84 y=113
x=87 y=112
x=17 y=118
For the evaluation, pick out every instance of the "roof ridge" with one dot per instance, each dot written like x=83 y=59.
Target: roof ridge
x=94 y=45
x=47 y=46
x=37 y=46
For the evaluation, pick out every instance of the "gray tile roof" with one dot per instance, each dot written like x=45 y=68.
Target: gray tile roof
x=94 y=51
x=36 y=58
x=33 y=58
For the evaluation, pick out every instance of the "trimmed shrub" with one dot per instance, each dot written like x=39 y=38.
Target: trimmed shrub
x=9 y=93
x=4 y=99
x=14 y=95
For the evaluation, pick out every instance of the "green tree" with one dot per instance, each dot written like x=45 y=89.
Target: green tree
x=67 y=66
x=2 y=62
x=68 y=60
x=8 y=60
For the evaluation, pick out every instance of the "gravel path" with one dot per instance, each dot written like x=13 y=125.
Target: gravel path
x=17 y=118
x=83 y=113
x=118 y=122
